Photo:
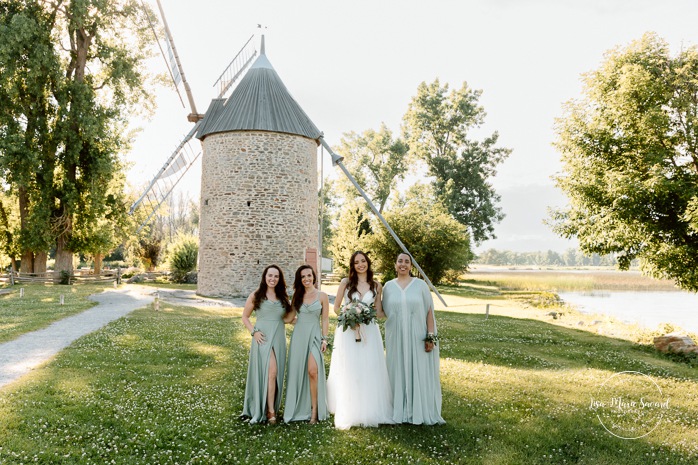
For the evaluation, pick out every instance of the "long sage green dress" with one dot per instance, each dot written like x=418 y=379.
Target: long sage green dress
x=414 y=373
x=270 y=322
x=305 y=342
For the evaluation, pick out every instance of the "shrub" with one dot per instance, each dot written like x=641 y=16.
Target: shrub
x=183 y=257
x=64 y=277
x=452 y=277
x=436 y=241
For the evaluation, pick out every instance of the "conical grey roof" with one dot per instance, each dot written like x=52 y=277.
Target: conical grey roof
x=260 y=102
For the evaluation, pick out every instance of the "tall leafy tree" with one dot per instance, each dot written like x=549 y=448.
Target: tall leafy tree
x=377 y=160
x=437 y=126
x=87 y=78
x=104 y=84
x=29 y=75
x=629 y=149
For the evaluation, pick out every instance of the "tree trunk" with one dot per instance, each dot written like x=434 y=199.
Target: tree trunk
x=40 y=259
x=98 y=263
x=64 y=256
x=64 y=260
x=27 y=265
x=27 y=256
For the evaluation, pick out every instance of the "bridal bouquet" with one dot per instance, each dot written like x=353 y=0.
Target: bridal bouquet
x=355 y=313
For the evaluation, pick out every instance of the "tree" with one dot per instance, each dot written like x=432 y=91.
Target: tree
x=100 y=233
x=570 y=257
x=9 y=226
x=148 y=248
x=29 y=74
x=73 y=73
x=350 y=234
x=179 y=215
x=437 y=242
x=376 y=160
x=437 y=125
x=327 y=205
x=629 y=150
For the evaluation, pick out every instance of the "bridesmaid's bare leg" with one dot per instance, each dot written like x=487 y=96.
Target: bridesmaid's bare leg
x=312 y=378
x=271 y=390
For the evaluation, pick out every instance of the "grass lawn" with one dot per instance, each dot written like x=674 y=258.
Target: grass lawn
x=40 y=306
x=168 y=387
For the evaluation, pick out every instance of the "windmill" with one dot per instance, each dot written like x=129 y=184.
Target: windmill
x=186 y=153
x=259 y=177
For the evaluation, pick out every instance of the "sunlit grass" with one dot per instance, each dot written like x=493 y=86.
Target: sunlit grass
x=41 y=306
x=168 y=386
x=567 y=280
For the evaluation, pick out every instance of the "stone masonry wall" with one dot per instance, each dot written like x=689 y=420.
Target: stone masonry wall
x=258 y=206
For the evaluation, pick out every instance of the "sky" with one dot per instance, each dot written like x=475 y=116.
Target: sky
x=354 y=65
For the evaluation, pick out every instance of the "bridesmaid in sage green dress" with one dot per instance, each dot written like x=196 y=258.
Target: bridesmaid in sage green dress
x=306 y=394
x=411 y=352
x=265 y=372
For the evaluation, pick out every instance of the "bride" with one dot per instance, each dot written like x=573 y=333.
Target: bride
x=358 y=388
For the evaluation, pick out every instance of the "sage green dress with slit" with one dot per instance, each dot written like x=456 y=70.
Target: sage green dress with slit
x=269 y=320
x=306 y=341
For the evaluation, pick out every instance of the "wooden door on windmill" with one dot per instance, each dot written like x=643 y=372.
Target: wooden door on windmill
x=311 y=259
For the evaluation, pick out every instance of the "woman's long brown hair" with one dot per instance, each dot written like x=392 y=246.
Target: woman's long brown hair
x=280 y=290
x=354 y=277
x=299 y=288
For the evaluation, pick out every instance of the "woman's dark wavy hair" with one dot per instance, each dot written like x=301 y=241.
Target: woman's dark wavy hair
x=280 y=290
x=299 y=288
x=354 y=278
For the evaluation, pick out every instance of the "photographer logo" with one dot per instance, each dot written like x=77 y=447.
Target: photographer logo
x=629 y=405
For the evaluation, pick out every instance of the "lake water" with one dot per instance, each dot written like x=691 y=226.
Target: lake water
x=649 y=308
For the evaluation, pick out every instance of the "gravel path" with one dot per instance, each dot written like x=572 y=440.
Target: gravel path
x=21 y=355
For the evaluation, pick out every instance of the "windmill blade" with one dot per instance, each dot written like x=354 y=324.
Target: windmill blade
x=236 y=67
x=176 y=69
x=174 y=169
x=170 y=54
x=337 y=161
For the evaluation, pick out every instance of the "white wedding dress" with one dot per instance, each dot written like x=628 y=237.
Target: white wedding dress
x=358 y=388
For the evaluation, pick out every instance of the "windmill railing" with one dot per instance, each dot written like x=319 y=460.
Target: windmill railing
x=236 y=67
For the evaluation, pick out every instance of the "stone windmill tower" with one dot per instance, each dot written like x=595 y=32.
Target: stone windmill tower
x=259 y=202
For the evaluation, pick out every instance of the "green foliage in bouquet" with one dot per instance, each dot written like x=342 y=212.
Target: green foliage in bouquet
x=355 y=313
